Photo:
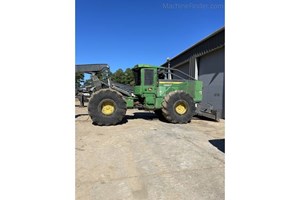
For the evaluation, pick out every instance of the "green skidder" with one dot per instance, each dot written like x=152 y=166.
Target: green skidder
x=171 y=99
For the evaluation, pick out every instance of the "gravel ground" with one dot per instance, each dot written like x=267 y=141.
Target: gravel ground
x=145 y=158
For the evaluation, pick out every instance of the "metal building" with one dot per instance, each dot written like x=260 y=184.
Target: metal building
x=205 y=61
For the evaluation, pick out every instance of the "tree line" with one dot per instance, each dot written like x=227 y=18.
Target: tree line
x=119 y=76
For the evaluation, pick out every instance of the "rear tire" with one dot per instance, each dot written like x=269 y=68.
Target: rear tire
x=178 y=107
x=107 y=107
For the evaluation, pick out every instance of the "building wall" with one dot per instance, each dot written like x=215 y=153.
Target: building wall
x=209 y=68
x=184 y=67
x=205 y=61
x=211 y=72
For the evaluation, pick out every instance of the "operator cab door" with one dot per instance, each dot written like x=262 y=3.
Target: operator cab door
x=150 y=85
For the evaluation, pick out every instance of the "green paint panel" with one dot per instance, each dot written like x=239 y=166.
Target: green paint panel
x=158 y=102
x=150 y=98
x=194 y=88
x=150 y=91
x=129 y=102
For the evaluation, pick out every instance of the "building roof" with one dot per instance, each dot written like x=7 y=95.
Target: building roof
x=214 y=40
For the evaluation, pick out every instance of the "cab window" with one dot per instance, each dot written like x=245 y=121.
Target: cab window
x=148 y=77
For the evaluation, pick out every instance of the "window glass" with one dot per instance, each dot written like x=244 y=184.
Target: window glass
x=149 y=76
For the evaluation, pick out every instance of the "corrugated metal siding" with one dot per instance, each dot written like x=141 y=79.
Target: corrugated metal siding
x=185 y=68
x=211 y=73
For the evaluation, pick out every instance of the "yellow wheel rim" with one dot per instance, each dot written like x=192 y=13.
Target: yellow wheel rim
x=180 y=108
x=107 y=108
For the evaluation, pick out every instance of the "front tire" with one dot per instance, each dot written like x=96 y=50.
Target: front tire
x=160 y=114
x=178 y=107
x=107 y=107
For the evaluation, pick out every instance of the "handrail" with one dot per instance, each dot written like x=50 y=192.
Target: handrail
x=172 y=69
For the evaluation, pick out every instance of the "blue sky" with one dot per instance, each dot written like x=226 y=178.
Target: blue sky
x=125 y=33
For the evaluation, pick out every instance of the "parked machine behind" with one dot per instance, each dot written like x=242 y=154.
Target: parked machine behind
x=174 y=100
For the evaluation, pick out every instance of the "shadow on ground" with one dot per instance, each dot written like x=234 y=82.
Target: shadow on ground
x=79 y=115
x=219 y=144
x=136 y=115
x=142 y=115
x=204 y=118
x=79 y=106
x=145 y=116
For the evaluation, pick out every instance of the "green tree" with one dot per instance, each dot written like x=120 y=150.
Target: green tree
x=128 y=77
x=78 y=79
x=88 y=82
x=118 y=76
x=124 y=77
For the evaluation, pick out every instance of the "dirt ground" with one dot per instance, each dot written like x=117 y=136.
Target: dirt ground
x=145 y=158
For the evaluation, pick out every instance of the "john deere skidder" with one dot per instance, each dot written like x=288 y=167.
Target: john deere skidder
x=171 y=99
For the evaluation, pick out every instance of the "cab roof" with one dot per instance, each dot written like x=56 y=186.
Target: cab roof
x=145 y=66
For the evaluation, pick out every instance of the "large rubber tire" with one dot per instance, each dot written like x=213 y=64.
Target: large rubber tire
x=107 y=107
x=160 y=114
x=178 y=107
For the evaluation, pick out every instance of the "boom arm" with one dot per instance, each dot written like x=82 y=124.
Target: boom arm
x=91 y=68
x=96 y=68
